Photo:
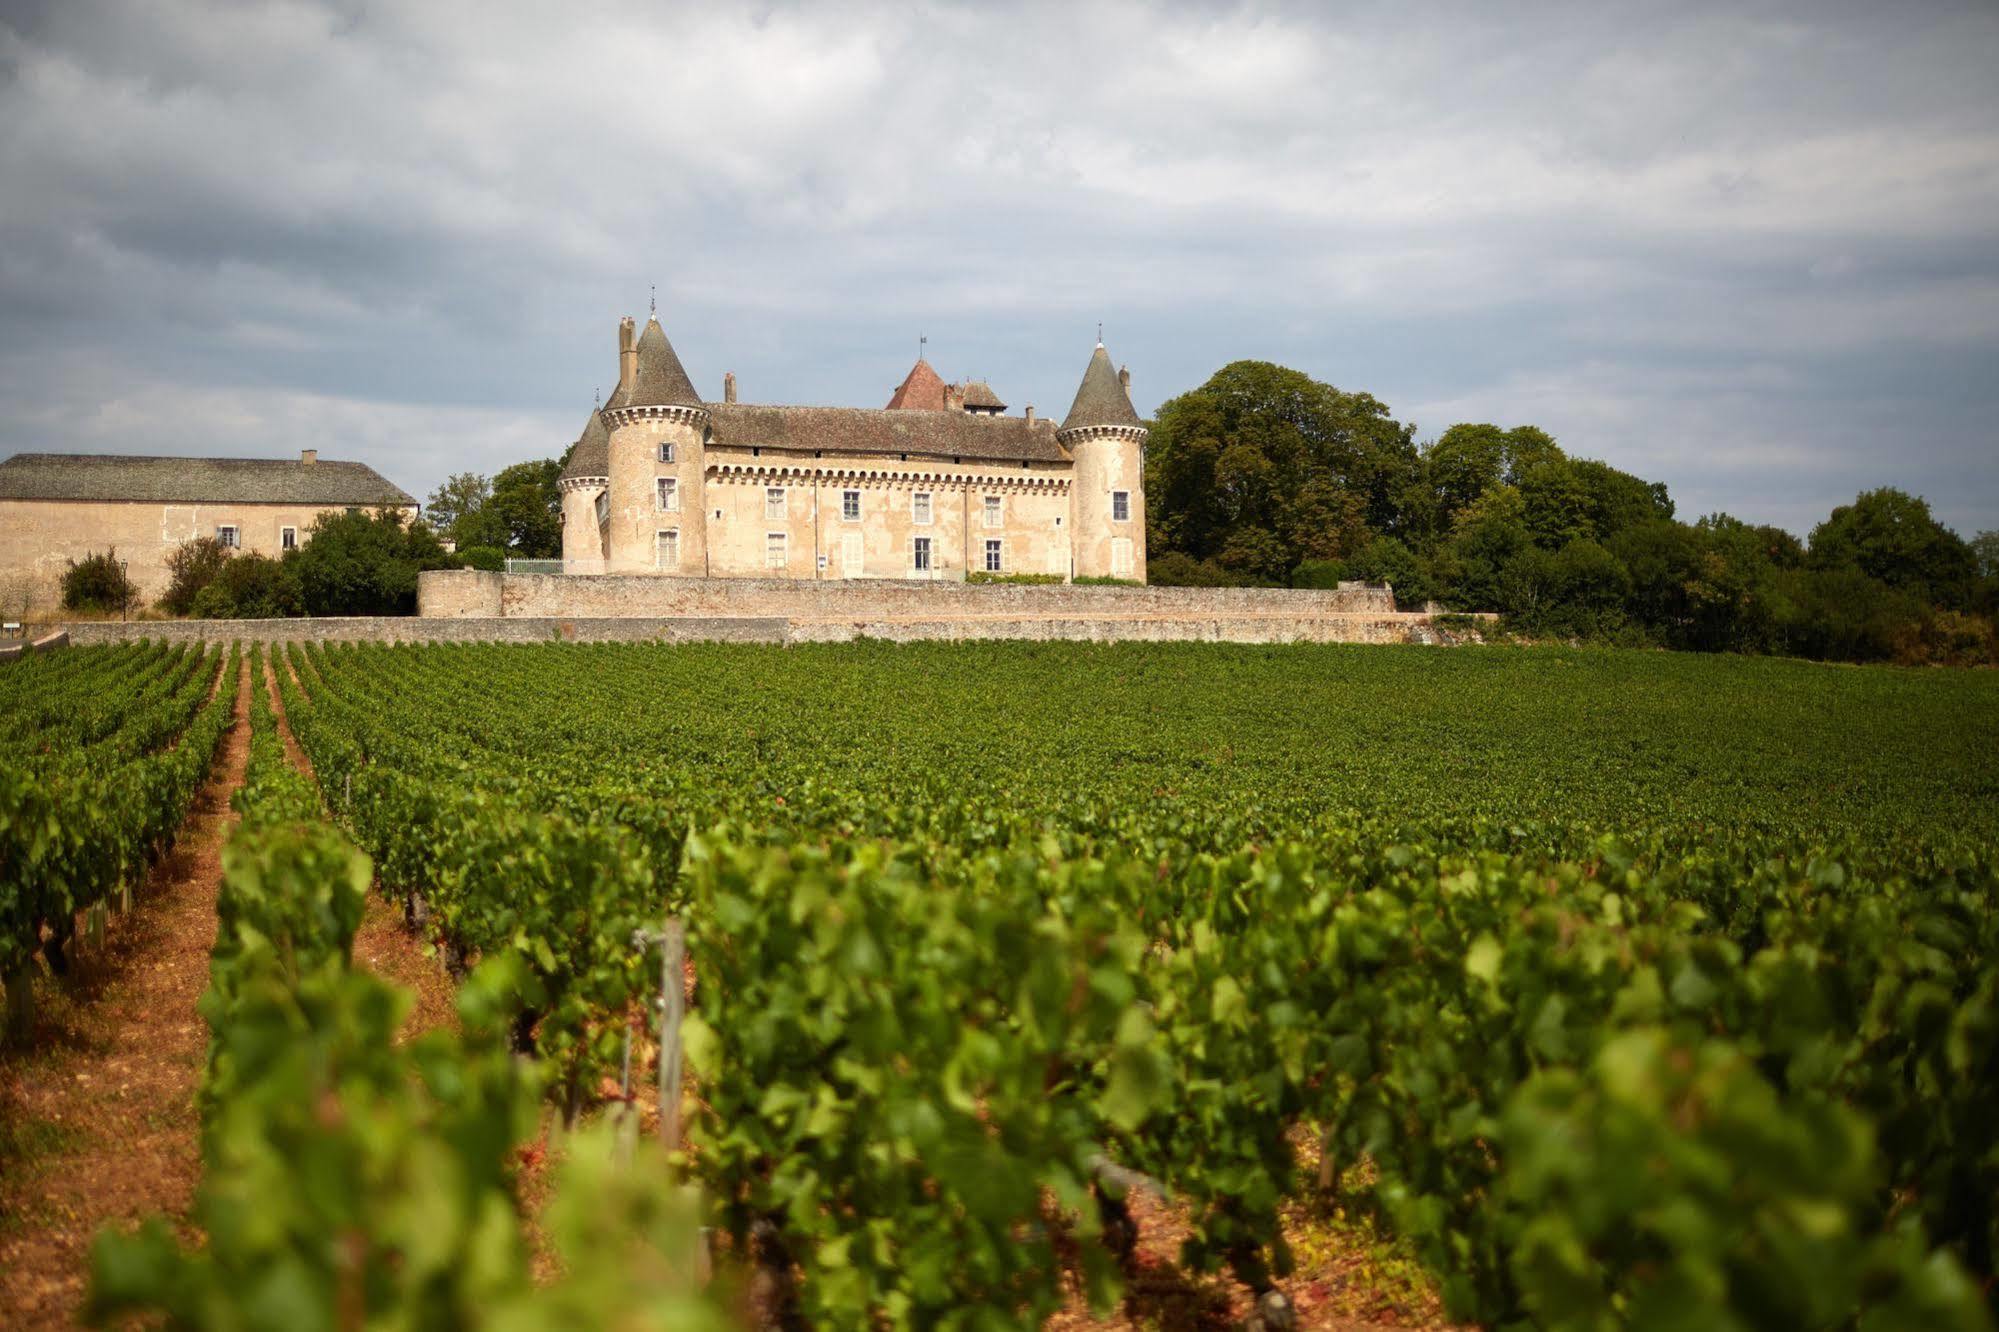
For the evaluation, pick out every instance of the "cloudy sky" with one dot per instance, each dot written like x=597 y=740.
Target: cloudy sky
x=1750 y=250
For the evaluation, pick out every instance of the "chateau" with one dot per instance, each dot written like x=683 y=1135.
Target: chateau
x=938 y=484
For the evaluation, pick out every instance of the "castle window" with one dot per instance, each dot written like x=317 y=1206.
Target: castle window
x=1121 y=557
x=666 y=450
x=287 y=538
x=994 y=564
x=228 y=537
x=919 y=554
x=774 y=550
x=1120 y=506
x=666 y=491
x=919 y=507
x=774 y=503
x=995 y=511
x=666 y=549
x=850 y=505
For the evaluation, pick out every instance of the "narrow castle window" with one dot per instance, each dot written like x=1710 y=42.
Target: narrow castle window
x=667 y=492
x=919 y=507
x=919 y=554
x=995 y=511
x=774 y=503
x=665 y=451
x=1121 y=557
x=1120 y=506
x=850 y=505
x=666 y=549
x=994 y=564
x=287 y=538
x=774 y=550
x=227 y=536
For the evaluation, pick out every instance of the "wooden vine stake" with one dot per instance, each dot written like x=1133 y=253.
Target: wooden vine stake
x=672 y=1005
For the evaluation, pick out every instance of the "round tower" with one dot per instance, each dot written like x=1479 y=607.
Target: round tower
x=657 y=447
x=584 y=479
x=1107 y=490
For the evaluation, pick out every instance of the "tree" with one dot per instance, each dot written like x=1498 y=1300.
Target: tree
x=529 y=509
x=1985 y=549
x=97 y=583
x=1890 y=535
x=360 y=563
x=461 y=493
x=192 y=566
x=1262 y=467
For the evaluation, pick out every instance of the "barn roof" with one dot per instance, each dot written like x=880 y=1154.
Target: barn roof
x=146 y=479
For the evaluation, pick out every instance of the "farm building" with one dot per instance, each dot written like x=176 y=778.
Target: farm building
x=939 y=483
x=59 y=507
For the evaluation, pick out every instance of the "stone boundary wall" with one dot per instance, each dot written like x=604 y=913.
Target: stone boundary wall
x=470 y=593
x=413 y=629
x=1398 y=628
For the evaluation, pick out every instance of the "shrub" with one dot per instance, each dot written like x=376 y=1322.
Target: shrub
x=97 y=583
x=1106 y=582
x=491 y=559
x=250 y=587
x=1020 y=579
x=193 y=566
x=1178 y=569
x=364 y=563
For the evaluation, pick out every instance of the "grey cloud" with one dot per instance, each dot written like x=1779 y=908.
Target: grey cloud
x=1745 y=250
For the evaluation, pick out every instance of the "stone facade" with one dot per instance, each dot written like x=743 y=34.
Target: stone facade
x=472 y=594
x=938 y=485
x=39 y=538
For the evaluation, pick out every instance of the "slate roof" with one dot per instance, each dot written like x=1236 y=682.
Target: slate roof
x=660 y=380
x=921 y=391
x=978 y=393
x=934 y=434
x=592 y=454
x=92 y=476
x=1101 y=399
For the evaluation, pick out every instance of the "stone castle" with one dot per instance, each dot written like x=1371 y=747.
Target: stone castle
x=939 y=484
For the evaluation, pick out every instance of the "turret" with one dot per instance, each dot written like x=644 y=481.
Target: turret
x=583 y=482
x=658 y=431
x=1107 y=492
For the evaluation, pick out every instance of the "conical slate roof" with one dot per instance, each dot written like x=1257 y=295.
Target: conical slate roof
x=660 y=380
x=1101 y=401
x=922 y=391
x=592 y=454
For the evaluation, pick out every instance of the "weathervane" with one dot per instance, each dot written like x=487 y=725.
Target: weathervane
x=655 y=299
x=1100 y=332
x=922 y=341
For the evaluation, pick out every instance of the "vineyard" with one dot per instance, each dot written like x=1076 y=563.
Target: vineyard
x=1627 y=989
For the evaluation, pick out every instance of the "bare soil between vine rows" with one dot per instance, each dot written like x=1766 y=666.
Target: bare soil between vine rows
x=97 y=1111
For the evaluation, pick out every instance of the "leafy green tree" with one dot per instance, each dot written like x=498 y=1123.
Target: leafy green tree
x=359 y=563
x=1262 y=468
x=529 y=508
x=1985 y=549
x=1469 y=459
x=1487 y=537
x=1889 y=534
x=462 y=493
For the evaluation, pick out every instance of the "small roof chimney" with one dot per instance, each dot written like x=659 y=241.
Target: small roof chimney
x=1030 y=413
x=308 y=456
x=729 y=387
x=1124 y=379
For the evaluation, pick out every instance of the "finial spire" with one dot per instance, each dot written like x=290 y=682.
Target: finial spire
x=653 y=310
x=597 y=396
x=922 y=341
x=1100 y=332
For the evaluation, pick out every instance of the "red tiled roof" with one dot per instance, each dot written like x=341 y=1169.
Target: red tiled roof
x=923 y=391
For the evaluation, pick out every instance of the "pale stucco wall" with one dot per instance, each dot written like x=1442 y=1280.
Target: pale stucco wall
x=1034 y=508
x=582 y=535
x=38 y=538
x=1107 y=462
x=632 y=536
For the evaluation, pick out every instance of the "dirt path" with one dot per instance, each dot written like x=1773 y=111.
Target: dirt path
x=97 y=1114
x=382 y=944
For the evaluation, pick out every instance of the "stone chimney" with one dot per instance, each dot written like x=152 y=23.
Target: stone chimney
x=628 y=353
x=1124 y=379
x=308 y=456
x=1030 y=413
x=729 y=387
